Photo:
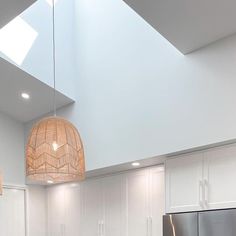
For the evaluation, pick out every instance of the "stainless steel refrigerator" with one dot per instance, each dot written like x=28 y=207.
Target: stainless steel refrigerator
x=208 y=223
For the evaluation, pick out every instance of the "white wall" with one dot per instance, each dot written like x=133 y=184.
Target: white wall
x=12 y=164
x=138 y=97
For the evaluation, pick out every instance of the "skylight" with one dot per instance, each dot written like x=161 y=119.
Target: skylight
x=16 y=39
x=50 y=2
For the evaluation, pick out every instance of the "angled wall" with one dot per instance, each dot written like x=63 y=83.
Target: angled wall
x=12 y=164
x=137 y=96
x=27 y=42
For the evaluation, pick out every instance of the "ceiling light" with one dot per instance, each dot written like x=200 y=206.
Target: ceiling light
x=50 y=182
x=25 y=96
x=135 y=164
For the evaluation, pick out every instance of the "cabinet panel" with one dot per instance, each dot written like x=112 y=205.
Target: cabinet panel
x=56 y=210
x=72 y=206
x=184 y=190
x=137 y=203
x=157 y=201
x=12 y=212
x=114 y=205
x=91 y=206
x=220 y=176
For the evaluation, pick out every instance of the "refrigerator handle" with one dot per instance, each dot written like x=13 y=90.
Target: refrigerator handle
x=206 y=190
x=147 y=226
x=201 y=193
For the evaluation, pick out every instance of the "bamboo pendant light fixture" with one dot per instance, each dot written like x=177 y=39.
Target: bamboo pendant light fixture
x=54 y=152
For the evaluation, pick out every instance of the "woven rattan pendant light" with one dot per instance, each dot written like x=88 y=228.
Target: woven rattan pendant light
x=54 y=152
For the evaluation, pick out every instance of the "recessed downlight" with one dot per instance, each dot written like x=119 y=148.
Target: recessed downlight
x=25 y=96
x=136 y=164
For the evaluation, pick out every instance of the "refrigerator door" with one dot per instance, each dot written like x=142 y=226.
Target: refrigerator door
x=180 y=224
x=217 y=223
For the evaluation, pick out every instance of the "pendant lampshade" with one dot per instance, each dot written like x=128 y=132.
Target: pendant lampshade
x=54 y=152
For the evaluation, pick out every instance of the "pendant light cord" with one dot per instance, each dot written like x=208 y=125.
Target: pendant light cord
x=54 y=57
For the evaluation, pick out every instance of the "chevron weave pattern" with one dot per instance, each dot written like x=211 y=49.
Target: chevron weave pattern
x=54 y=152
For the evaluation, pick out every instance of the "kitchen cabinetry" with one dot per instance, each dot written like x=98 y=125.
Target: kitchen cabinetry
x=63 y=210
x=184 y=187
x=103 y=206
x=125 y=204
x=145 y=202
x=220 y=177
x=12 y=212
x=91 y=208
x=201 y=181
x=137 y=203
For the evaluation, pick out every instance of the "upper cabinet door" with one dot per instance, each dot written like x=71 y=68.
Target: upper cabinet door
x=184 y=186
x=157 y=201
x=91 y=208
x=220 y=177
x=137 y=203
x=114 y=211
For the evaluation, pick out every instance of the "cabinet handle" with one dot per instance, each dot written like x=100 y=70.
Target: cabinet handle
x=147 y=227
x=201 y=193
x=150 y=226
x=99 y=228
x=206 y=190
x=102 y=228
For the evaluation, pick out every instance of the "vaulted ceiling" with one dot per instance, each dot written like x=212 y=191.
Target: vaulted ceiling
x=189 y=24
x=11 y=8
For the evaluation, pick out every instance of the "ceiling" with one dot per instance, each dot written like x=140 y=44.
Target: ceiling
x=189 y=24
x=11 y=8
x=14 y=81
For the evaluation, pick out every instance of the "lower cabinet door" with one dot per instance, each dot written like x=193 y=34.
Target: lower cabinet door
x=137 y=203
x=12 y=212
x=91 y=208
x=114 y=211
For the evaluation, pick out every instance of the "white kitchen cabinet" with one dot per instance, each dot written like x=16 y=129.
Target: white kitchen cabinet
x=220 y=177
x=114 y=210
x=72 y=207
x=125 y=204
x=56 y=210
x=63 y=210
x=103 y=206
x=157 y=201
x=184 y=183
x=201 y=181
x=145 y=202
x=12 y=212
x=91 y=208
x=137 y=203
